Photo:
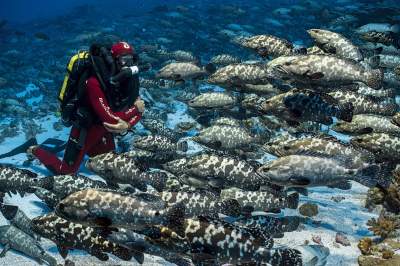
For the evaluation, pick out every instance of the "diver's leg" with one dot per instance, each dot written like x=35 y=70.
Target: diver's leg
x=105 y=144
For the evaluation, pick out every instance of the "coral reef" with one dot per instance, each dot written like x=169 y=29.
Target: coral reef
x=308 y=209
x=385 y=226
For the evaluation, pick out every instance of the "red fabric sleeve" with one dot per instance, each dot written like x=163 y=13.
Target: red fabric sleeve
x=101 y=107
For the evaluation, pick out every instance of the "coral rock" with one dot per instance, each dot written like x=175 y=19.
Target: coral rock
x=365 y=245
x=308 y=209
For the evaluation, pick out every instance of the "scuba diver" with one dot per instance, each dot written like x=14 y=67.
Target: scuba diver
x=105 y=101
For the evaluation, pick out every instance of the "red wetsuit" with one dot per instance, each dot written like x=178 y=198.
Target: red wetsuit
x=98 y=139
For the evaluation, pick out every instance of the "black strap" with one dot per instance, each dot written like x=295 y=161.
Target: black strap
x=98 y=75
x=82 y=138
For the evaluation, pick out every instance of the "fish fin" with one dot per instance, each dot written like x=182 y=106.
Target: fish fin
x=395 y=123
x=365 y=130
x=346 y=111
x=103 y=221
x=345 y=185
x=63 y=251
x=313 y=76
x=8 y=211
x=299 y=181
x=300 y=51
x=100 y=255
x=375 y=78
x=300 y=190
x=231 y=207
x=6 y=248
x=293 y=201
x=273 y=210
x=290 y=223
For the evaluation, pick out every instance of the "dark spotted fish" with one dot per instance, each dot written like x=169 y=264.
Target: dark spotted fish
x=119 y=168
x=385 y=147
x=68 y=235
x=13 y=238
x=17 y=218
x=270 y=226
x=317 y=107
x=326 y=70
x=364 y=104
x=20 y=180
x=261 y=200
x=111 y=208
x=202 y=203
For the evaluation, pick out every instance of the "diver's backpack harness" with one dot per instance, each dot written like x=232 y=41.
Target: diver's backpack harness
x=73 y=110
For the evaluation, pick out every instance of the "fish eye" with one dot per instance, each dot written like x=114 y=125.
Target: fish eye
x=286 y=148
x=266 y=169
x=157 y=213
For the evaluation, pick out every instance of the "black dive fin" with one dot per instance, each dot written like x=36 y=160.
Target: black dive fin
x=20 y=149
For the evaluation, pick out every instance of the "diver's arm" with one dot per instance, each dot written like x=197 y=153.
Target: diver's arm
x=100 y=104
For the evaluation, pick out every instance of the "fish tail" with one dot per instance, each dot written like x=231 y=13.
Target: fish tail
x=300 y=51
x=346 y=111
x=314 y=254
x=395 y=28
x=8 y=211
x=368 y=176
x=293 y=201
x=374 y=78
x=182 y=146
x=49 y=259
x=290 y=223
x=124 y=253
